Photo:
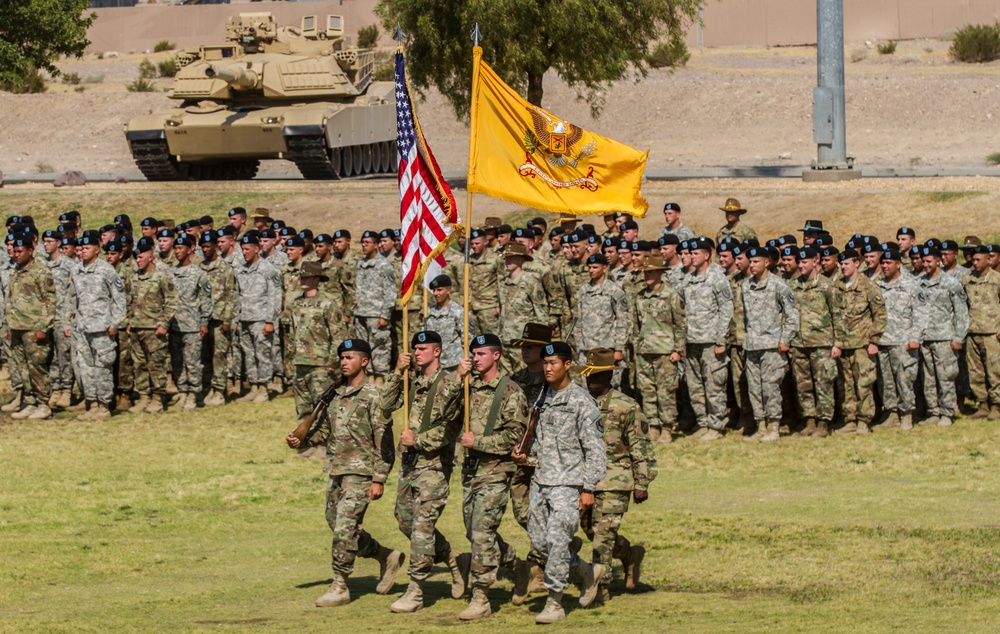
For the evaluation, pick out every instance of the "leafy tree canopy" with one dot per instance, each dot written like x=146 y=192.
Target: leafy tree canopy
x=35 y=33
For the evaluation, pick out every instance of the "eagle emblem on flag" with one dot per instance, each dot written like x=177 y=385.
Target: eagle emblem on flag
x=556 y=138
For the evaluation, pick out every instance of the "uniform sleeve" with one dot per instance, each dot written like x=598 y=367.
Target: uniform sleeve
x=445 y=432
x=918 y=316
x=879 y=317
x=69 y=305
x=204 y=301
x=837 y=316
x=382 y=441
x=170 y=300
x=391 y=397
x=790 y=324
x=48 y=291
x=389 y=292
x=724 y=304
x=959 y=300
x=679 y=322
x=634 y=325
x=590 y=431
x=620 y=324
x=274 y=292
x=553 y=284
x=231 y=294
x=640 y=448
x=539 y=304
x=323 y=430
x=510 y=428
x=116 y=290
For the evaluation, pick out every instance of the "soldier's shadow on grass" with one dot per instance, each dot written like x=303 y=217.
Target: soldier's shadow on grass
x=314 y=584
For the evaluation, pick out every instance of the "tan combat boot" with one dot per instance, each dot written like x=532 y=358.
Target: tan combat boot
x=13 y=406
x=590 y=578
x=100 y=411
x=24 y=413
x=479 y=606
x=906 y=421
x=808 y=430
x=710 y=435
x=757 y=435
x=140 y=405
x=863 y=427
x=65 y=399
x=982 y=412
x=179 y=403
x=994 y=413
x=89 y=414
x=944 y=421
x=171 y=386
x=192 y=402
x=459 y=565
x=654 y=433
x=633 y=567
x=263 y=395
x=411 y=601
x=822 y=429
x=155 y=405
x=891 y=421
x=771 y=433
x=249 y=396
x=849 y=427
x=536 y=583
x=214 y=399
x=122 y=403
x=338 y=594
x=520 y=578
x=553 y=611
x=53 y=398
x=42 y=412
x=389 y=563
x=233 y=388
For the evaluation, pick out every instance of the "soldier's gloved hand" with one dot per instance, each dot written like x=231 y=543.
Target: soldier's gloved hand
x=640 y=495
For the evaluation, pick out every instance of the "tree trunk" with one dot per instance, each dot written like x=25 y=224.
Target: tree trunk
x=535 y=88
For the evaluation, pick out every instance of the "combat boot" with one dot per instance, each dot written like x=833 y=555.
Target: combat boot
x=192 y=402
x=140 y=405
x=710 y=435
x=994 y=413
x=654 y=433
x=944 y=421
x=214 y=399
x=249 y=396
x=411 y=601
x=233 y=388
x=179 y=403
x=13 y=406
x=930 y=420
x=389 y=563
x=603 y=594
x=590 y=577
x=849 y=427
x=757 y=435
x=666 y=435
x=338 y=594
x=155 y=405
x=633 y=567
x=53 y=398
x=42 y=412
x=699 y=433
x=459 y=567
x=171 y=386
x=122 y=402
x=822 y=429
x=863 y=427
x=100 y=411
x=65 y=398
x=808 y=430
x=536 y=577
x=982 y=412
x=771 y=434
x=479 y=606
x=553 y=611
x=263 y=395
x=520 y=577
x=89 y=414
x=575 y=544
x=24 y=413
x=891 y=421
x=906 y=421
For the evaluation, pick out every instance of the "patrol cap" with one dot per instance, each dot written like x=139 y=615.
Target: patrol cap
x=208 y=237
x=371 y=235
x=165 y=233
x=250 y=238
x=630 y=224
x=847 y=254
x=789 y=251
x=930 y=251
x=425 y=336
x=807 y=253
x=52 y=235
x=504 y=229
x=286 y=232
x=533 y=335
x=307 y=234
x=758 y=252
x=206 y=220
x=144 y=245
x=441 y=281
x=597 y=258
x=949 y=245
x=556 y=231
x=313 y=269
x=228 y=230
x=521 y=232
x=558 y=349
x=113 y=247
x=385 y=233
x=341 y=233
x=323 y=238
x=672 y=207
x=885 y=246
x=278 y=225
x=148 y=221
x=354 y=345
x=269 y=234
x=599 y=360
x=906 y=231
x=237 y=211
x=295 y=241
x=669 y=239
x=486 y=340
x=185 y=240
x=891 y=254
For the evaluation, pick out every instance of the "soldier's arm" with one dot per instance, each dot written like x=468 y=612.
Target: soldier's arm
x=510 y=426
x=790 y=325
x=620 y=324
x=170 y=300
x=273 y=290
x=724 y=306
x=231 y=295
x=876 y=305
x=323 y=430
x=640 y=448
x=591 y=435
x=959 y=300
x=391 y=397
x=116 y=289
x=48 y=299
x=555 y=295
x=204 y=301
x=539 y=304
x=679 y=322
x=381 y=427
x=837 y=316
x=388 y=292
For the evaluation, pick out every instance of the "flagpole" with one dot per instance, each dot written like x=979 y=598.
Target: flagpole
x=406 y=371
x=476 y=56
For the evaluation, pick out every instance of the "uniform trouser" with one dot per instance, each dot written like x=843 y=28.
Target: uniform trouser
x=258 y=352
x=859 y=373
x=486 y=321
x=520 y=494
x=706 y=381
x=601 y=524
x=215 y=355
x=15 y=372
x=308 y=383
x=741 y=394
x=95 y=357
x=283 y=359
x=367 y=328
x=61 y=373
x=765 y=370
x=553 y=520
x=185 y=360
x=149 y=358
x=237 y=371
x=962 y=380
x=35 y=359
x=346 y=503
x=940 y=371
x=124 y=370
x=899 y=374
x=484 y=500
x=657 y=380
x=421 y=496
x=815 y=373
x=983 y=355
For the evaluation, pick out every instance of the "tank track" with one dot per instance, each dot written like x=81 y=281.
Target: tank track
x=309 y=154
x=154 y=160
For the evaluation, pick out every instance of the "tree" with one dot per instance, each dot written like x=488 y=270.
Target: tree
x=589 y=43
x=34 y=33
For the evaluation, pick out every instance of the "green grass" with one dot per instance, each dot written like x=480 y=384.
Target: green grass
x=206 y=523
x=947 y=197
x=993 y=159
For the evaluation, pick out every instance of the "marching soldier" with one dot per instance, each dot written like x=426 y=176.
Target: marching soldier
x=376 y=298
x=189 y=324
x=152 y=304
x=982 y=287
x=216 y=345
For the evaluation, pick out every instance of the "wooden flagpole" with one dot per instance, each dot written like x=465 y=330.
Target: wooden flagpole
x=406 y=372
x=465 y=299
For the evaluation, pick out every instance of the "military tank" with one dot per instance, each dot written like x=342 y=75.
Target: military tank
x=295 y=92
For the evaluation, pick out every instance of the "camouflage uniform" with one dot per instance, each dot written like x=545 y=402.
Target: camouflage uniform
x=631 y=465
x=415 y=308
x=554 y=285
x=771 y=319
x=215 y=348
x=61 y=372
x=569 y=445
x=947 y=318
x=318 y=324
x=741 y=232
x=194 y=308
x=897 y=365
x=982 y=346
x=125 y=370
x=658 y=329
x=259 y=303
x=376 y=297
x=737 y=356
x=603 y=318
x=15 y=375
x=447 y=321
x=31 y=309
x=348 y=281
x=521 y=301
x=358 y=452
x=859 y=319
x=152 y=304
x=484 y=492
x=815 y=371
x=423 y=488
x=709 y=303
x=484 y=300
x=532 y=383
x=340 y=285
x=285 y=335
x=97 y=303
x=683 y=232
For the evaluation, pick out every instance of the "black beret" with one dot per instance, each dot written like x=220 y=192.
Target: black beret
x=165 y=233
x=933 y=242
x=385 y=233
x=538 y=220
x=268 y=233
x=758 y=252
x=790 y=250
x=565 y=238
x=807 y=252
x=521 y=232
x=980 y=249
x=589 y=228
x=891 y=254
x=440 y=281
x=62 y=218
x=306 y=234
x=597 y=258
x=823 y=239
x=558 y=349
x=113 y=247
x=206 y=220
x=885 y=246
x=148 y=222
x=185 y=240
x=685 y=245
x=906 y=231
x=556 y=231
x=829 y=250
x=323 y=238
x=872 y=248
x=285 y=232
x=237 y=210
x=369 y=234
x=228 y=230
x=672 y=207
x=477 y=233
x=847 y=254
x=634 y=246
x=208 y=237
x=67 y=241
x=915 y=250
x=426 y=336
x=278 y=225
x=24 y=240
x=65 y=229
x=504 y=229
x=93 y=235
x=593 y=238
x=125 y=239
x=949 y=245
x=341 y=233
x=669 y=239
x=609 y=242
x=487 y=340
x=931 y=251
x=396 y=234
x=354 y=345
x=577 y=236
x=144 y=245
x=295 y=241
x=52 y=235
x=630 y=224
x=250 y=238
x=120 y=218
x=786 y=240
x=702 y=243
x=537 y=231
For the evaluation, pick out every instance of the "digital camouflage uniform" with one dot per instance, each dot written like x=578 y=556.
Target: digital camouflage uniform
x=447 y=321
x=737 y=356
x=194 y=309
x=659 y=329
x=602 y=318
x=815 y=371
x=423 y=488
x=318 y=325
x=31 y=309
x=982 y=346
x=484 y=300
x=569 y=446
x=61 y=372
x=359 y=452
x=631 y=465
x=15 y=375
x=97 y=304
x=708 y=301
x=376 y=299
x=484 y=493
x=897 y=365
x=215 y=348
x=415 y=307
x=771 y=319
x=683 y=232
x=532 y=383
x=259 y=303
x=152 y=304
x=947 y=319
x=522 y=300
x=859 y=319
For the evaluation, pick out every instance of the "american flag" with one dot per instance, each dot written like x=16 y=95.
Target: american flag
x=427 y=213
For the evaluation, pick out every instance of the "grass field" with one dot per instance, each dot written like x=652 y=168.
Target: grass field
x=206 y=522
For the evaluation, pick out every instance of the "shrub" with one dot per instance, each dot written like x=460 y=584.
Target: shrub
x=41 y=167
x=368 y=36
x=147 y=70
x=141 y=85
x=31 y=81
x=168 y=68
x=976 y=43
x=886 y=48
x=667 y=54
x=164 y=45
x=384 y=71
x=71 y=78
x=993 y=159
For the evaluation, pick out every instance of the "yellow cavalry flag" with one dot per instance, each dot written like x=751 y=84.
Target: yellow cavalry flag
x=521 y=153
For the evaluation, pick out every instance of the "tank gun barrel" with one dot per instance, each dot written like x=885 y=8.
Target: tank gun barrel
x=237 y=76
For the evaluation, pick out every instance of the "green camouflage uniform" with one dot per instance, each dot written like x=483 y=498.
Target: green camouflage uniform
x=348 y=282
x=982 y=346
x=741 y=232
x=449 y=322
x=318 y=325
x=631 y=465
x=658 y=330
x=31 y=309
x=152 y=303
x=737 y=356
x=284 y=346
x=554 y=285
x=815 y=371
x=415 y=305
x=484 y=300
x=215 y=349
x=521 y=301
x=532 y=383
x=859 y=319
x=126 y=371
x=194 y=308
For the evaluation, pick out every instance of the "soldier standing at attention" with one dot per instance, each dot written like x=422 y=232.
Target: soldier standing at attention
x=189 y=325
x=947 y=321
x=484 y=301
x=61 y=372
x=709 y=303
x=522 y=299
x=858 y=322
x=428 y=454
x=359 y=455
x=31 y=316
x=603 y=313
x=290 y=289
x=114 y=254
x=569 y=446
x=772 y=322
x=982 y=287
x=674 y=226
x=498 y=415
x=742 y=417
x=152 y=304
x=98 y=304
x=631 y=467
x=342 y=251
x=659 y=334
x=734 y=223
x=899 y=346
x=446 y=319
x=216 y=345
x=376 y=297
x=258 y=310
